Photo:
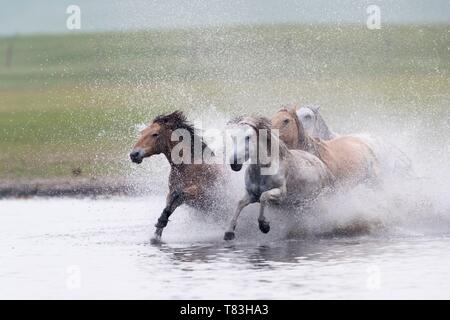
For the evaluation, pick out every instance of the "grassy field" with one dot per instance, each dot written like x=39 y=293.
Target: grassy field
x=70 y=102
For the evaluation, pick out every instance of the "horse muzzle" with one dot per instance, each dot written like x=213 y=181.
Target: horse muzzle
x=136 y=156
x=236 y=166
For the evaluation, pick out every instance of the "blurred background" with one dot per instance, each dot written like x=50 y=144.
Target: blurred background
x=71 y=99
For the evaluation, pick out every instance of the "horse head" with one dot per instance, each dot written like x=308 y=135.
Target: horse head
x=247 y=140
x=291 y=130
x=314 y=124
x=156 y=138
x=308 y=117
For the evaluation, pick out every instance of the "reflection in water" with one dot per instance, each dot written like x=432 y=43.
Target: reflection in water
x=263 y=256
x=112 y=250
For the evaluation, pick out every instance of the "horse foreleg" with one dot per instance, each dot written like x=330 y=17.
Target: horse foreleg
x=174 y=200
x=245 y=201
x=273 y=195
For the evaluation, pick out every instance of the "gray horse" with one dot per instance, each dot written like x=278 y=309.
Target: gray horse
x=298 y=176
x=314 y=124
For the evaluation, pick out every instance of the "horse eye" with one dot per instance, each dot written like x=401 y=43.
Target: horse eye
x=286 y=121
x=155 y=135
x=308 y=117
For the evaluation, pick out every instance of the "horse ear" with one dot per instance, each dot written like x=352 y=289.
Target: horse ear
x=315 y=108
x=235 y=120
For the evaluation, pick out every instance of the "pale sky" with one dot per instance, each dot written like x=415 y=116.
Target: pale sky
x=49 y=16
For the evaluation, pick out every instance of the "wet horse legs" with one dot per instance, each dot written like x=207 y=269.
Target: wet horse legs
x=273 y=195
x=174 y=200
x=245 y=201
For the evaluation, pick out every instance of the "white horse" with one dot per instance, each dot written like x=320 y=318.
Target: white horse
x=298 y=176
x=314 y=124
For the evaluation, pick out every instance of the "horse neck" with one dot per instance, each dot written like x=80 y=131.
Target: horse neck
x=311 y=145
x=168 y=152
x=306 y=142
x=282 y=153
x=324 y=131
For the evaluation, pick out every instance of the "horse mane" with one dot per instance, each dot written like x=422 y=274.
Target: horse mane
x=235 y=120
x=175 y=120
x=262 y=123
x=178 y=120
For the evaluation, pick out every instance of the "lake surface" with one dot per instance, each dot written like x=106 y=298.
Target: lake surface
x=75 y=248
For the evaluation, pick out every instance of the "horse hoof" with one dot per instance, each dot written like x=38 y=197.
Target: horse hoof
x=229 y=235
x=157 y=236
x=264 y=226
x=156 y=241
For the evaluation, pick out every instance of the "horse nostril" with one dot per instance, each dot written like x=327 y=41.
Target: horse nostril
x=135 y=156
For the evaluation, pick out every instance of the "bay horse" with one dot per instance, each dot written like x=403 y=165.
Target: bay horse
x=192 y=182
x=349 y=158
x=298 y=176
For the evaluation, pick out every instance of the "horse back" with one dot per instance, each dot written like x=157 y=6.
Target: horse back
x=307 y=172
x=348 y=157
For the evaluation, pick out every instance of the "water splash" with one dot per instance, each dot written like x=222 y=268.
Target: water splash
x=409 y=204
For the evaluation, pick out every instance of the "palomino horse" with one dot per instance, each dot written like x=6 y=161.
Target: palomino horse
x=191 y=183
x=349 y=158
x=298 y=175
x=314 y=124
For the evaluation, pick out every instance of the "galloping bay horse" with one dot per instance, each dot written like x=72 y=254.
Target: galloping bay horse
x=192 y=183
x=349 y=158
x=298 y=176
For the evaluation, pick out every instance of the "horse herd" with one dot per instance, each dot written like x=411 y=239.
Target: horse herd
x=310 y=160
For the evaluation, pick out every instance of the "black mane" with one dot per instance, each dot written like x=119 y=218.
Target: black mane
x=177 y=120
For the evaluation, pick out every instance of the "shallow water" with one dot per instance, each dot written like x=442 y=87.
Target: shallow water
x=72 y=248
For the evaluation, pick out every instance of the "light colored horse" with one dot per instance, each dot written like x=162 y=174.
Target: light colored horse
x=349 y=158
x=393 y=161
x=299 y=176
x=314 y=124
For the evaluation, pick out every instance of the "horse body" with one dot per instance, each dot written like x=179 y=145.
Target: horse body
x=299 y=177
x=189 y=183
x=197 y=182
x=349 y=158
x=299 y=170
x=392 y=160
